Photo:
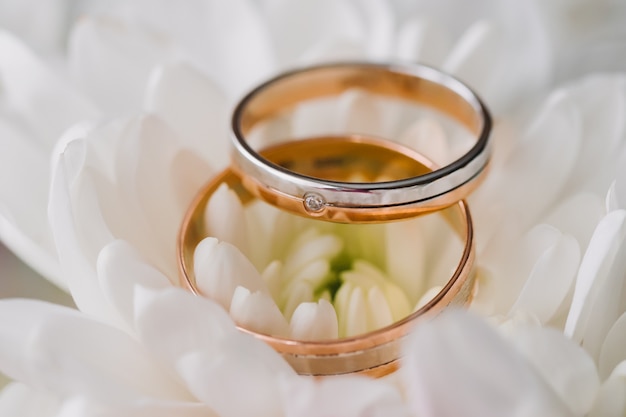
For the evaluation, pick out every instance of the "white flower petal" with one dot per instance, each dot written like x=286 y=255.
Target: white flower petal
x=174 y=322
x=611 y=201
x=314 y=321
x=346 y=396
x=297 y=27
x=599 y=284
x=272 y=276
x=457 y=352
x=578 y=216
x=224 y=218
x=611 y=398
x=21 y=400
x=568 y=369
x=64 y=352
x=428 y=137
x=315 y=272
x=550 y=145
x=47 y=104
x=332 y=50
x=522 y=62
x=365 y=113
x=23 y=218
x=81 y=407
x=423 y=39
x=511 y=265
x=80 y=273
x=619 y=186
x=296 y=293
x=613 y=352
x=427 y=297
x=220 y=268
x=194 y=107
x=379 y=311
x=240 y=380
x=356 y=317
x=258 y=312
x=199 y=28
x=601 y=100
x=379 y=19
x=310 y=248
x=368 y=276
x=406 y=257
x=146 y=179
x=550 y=279
x=120 y=269
x=40 y=25
x=111 y=60
x=474 y=56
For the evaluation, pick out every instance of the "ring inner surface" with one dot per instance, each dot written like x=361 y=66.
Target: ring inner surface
x=350 y=158
x=283 y=94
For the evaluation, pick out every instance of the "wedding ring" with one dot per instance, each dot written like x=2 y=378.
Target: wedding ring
x=376 y=353
x=355 y=202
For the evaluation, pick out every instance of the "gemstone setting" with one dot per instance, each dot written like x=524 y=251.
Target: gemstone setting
x=314 y=203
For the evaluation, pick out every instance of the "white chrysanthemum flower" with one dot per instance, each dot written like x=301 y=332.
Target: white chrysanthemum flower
x=135 y=120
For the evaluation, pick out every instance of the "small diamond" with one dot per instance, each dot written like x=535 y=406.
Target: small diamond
x=314 y=202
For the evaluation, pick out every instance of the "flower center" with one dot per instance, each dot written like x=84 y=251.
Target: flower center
x=322 y=265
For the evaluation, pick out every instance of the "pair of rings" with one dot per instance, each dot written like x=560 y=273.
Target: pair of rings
x=311 y=178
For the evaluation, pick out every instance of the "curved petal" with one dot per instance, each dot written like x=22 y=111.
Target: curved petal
x=347 y=396
x=597 y=297
x=297 y=27
x=145 y=179
x=428 y=137
x=423 y=39
x=601 y=100
x=551 y=145
x=564 y=365
x=61 y=351
x=550 y=279
x=48 y=105
x=18 y=399
x=199 y=28
x=240 y=380
x=457 y=352
x=611 y=398
x=619 y=187
x=224 y=218
x=474 y=57
x=24 y=173
x=121 y=268
x=80 y=273
x=406 y=257
x=194 y=107
x=314 y=321
x=612 y=352
x=111 y=60
x=82 y=407
x=379 y=19
x=40 y=25
x=518 y=67
x=258 y=312
x=578 y=216
x=173 y=322
x=220 y=268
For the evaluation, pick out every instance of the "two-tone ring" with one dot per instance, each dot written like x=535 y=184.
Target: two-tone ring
x=351 y=202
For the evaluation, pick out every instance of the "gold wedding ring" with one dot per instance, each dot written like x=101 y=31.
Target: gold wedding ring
x=339 y=158
x=359 y=202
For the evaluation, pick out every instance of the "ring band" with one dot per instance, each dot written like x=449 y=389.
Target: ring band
x=375 y=353
x=353 y=202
